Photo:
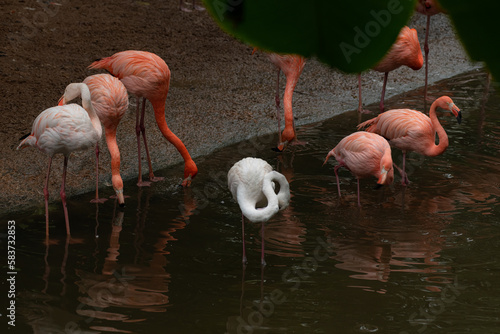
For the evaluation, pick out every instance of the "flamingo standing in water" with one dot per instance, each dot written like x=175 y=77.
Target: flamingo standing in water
x=428 y=8
x=146 y=75
x=110 y=102
x=405 y=51
x=64 y=129
x=251 y=182
x=364 y=154
x=411 y=130
x=292 y=66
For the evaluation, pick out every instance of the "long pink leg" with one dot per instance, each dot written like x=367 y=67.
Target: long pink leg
x=140 y=182
x=143 y=130
x=262 y=261
x=277 y=100
x=97 y=199
x=404 y=178
x=46 y=195
x=337 y=176
x=63 y=195
x=426 y=51
x=244 y=259
x=383 y=92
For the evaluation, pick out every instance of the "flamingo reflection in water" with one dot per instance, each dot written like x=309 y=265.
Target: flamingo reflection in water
x=130 y=285
x=285 y=235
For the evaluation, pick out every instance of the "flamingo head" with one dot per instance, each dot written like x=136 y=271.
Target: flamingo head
x=74 y=90
x=190 y=171
x=455 y=111
x=386 y=175
x=120 y=197
x=281 y=146
x=287 y=136
x=446 y=103
x=330 y=154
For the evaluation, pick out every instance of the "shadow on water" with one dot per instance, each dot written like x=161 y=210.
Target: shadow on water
x=420 y=259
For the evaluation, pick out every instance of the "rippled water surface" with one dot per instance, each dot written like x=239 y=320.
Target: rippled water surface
x=424 y=259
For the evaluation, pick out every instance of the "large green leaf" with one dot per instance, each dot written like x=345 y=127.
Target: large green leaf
x=477 y=26
x=349 y=35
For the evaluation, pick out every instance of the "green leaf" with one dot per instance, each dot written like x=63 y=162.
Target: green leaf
x=477 y=26
x=349 y=35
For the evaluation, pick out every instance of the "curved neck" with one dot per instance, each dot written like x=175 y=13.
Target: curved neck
x=114 y=152
x=159 y=109
x=284 y=193
x=438 y=149
x=87 y=105
x=248 y=205
x=74 y=90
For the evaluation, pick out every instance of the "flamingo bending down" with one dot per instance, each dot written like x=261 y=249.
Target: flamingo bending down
x=364 y=154
x=411 y=130
x=405 y=51
x=110 y=102
x=146 y=75
x=251 y=182
x=428 y=8
x=64 y=129
x=292 y=66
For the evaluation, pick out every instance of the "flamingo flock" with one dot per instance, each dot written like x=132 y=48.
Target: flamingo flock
x=259 y=191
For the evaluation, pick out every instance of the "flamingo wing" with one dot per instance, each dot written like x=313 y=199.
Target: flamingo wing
x=109 y=98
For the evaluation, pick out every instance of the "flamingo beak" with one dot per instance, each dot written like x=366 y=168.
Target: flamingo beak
x=382 y=177
x=120 y=197
x=187 y=181
x=61 y=101
x=330 y=154
x=281 y=146
x=456 y=112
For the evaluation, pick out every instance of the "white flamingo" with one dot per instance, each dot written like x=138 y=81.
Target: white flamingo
x=251 y=182
x=64 y=129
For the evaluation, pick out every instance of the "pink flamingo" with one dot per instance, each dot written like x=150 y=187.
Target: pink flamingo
x=146 y=75
x=251 y=182
x=428 y=8
x=405 y=51
x=110 y=102
x=411 y=130
x=64 y=129
x=292 y=66
x=364 y=154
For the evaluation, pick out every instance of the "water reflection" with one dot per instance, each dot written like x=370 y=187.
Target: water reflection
x=174 y=255
x=38 y=307
x=285 y=233
x=125 y=285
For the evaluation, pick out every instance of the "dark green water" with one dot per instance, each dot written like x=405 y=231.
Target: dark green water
x=419 y=260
